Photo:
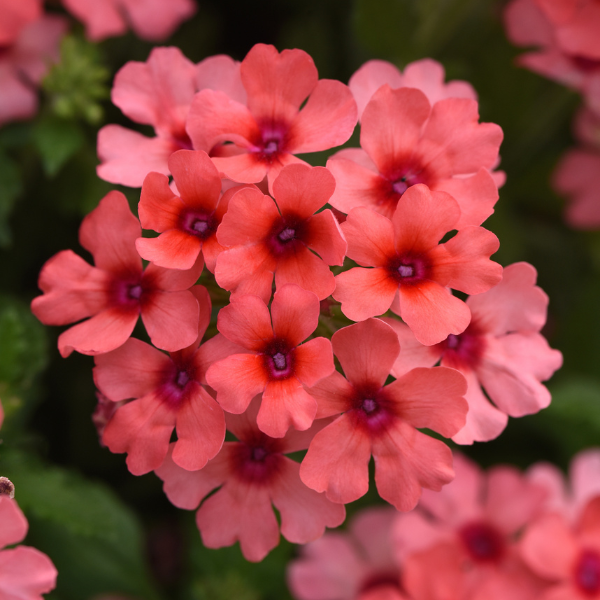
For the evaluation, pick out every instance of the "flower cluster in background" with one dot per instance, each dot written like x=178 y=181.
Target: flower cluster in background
x=497 y=534
x=567 y=34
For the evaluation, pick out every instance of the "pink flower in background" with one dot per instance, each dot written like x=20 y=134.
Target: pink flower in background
x=460 y=542
x=24 y=60
x=25 y=573
x=426 y=75
x=158 y=93
x=276 y=362
x=566 y=555
x=355 y=565
x=266 y=238
x=374 y=419
x=117 y=291
x=16 y=14
x=406 y=141
x=567 y=32
x=501 y=351
x=169 y=393
x=188 y=222
x=569 y=497
x=413 y=272
x=271 y=127
x=577 y=177
x=252 y=474
x=152 y=20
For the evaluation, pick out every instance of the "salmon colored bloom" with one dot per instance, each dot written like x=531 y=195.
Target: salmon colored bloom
x=266 y=238
x=271 y=127
x=354 y=565
x=382 y=421
x=158 y=93
x=252 y=474
x=117 y=291
x=501 y=350
x=412 y=271
x=406 y=141
x=188 y=222
x=569 y=498
x=152 y=20
x=567 y=556
x=276 y=363
x=426 y=75
x=26 y=52
x=168 y=392
x=460 y=543
x=25 y=573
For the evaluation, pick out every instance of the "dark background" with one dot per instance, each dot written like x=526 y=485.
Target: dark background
x=108 y=531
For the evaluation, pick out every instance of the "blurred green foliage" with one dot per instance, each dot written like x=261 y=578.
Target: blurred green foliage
x=48 y=183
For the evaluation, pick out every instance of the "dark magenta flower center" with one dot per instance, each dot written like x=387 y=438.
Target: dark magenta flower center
x=369 y=405
x=371 y=409
x=175 y=388
x=483 y=542
x=279 y=359
x=465 y=350
x=272 y=140
x=182 y=379
x=257 y=459
x=408 y=269
x=135 y=291
x=587 y=573
x=286 y=235
x=198 y=224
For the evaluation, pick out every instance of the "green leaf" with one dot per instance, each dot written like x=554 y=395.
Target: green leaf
x=10 y=188
x=23 y=355
x=57 y=141
x=93 y=539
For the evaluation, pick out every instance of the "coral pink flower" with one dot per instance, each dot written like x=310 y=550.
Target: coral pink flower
x=158 y=93
x=188 y=222
x=25 y=573
x=252 y=474
x=152 y=20
x=357 y=565
x=277 y=364
x=271 y=128
x=501 y=351
x=117 y=290
x=567 y=556
x=568 y=53
x=15 y=16
x=406 y=141
x=577 y=176
x=569 y=498
x=426 y=75
x=25 y=61
x=264 y=241
x=382 y=421
x=413 y=272
x=466 y=535
x=169 y=394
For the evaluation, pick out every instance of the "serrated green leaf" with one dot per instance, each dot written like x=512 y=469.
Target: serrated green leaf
x=57 y=141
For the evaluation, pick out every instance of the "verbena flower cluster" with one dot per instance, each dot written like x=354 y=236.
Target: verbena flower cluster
x=567 y=34
x=298 y=266
x=487 y=535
